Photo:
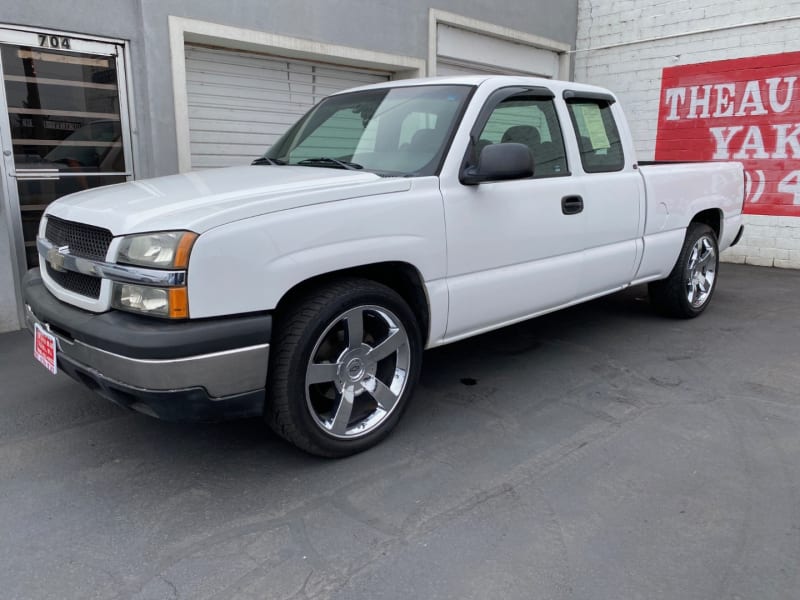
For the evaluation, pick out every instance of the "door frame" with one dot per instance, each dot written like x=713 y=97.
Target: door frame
x=9 y=191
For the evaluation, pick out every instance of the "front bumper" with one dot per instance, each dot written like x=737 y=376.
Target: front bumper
x=211 y=369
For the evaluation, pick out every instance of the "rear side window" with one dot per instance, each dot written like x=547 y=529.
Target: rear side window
x=598 y=137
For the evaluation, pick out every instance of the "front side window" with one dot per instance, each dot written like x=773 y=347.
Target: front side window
x=598 y=137
x=531 y=121
x=393 y=131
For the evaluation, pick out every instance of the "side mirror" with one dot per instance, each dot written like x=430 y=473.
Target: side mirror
x=500 y=162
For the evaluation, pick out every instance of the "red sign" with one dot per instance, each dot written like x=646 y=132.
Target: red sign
x=44 y=348
x=745 y=109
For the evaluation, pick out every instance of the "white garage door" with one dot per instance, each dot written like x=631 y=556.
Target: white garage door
x=240 y=103
x=460 y=51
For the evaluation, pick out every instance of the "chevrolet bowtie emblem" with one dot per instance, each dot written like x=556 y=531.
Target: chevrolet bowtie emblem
x=55 y=256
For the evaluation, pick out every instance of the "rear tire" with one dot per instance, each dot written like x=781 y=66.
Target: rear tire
x=345 y=360
x=688 y=289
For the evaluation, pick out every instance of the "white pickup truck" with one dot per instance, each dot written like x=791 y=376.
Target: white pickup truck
x=389 y=219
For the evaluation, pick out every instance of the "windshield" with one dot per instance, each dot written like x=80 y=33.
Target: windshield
x=392 y=131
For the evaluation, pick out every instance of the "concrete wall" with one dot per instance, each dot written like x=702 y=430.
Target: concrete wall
x=625 y=44
x=8 y=298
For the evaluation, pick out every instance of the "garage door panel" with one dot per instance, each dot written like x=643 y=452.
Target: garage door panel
x=463 y=51
x=276 y=125
x=225 y=61
x=265 y=129
x=240 y=103
x=242 y=116
x=255 y=82
x=255 y=138
x=220 y=97
x=315 y=86
x=251 y=149
x=337 y=78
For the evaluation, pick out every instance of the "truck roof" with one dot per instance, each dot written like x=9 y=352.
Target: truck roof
x=494 y=81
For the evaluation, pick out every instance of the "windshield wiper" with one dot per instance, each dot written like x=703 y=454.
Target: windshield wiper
x=325 y=161
x=267 y=161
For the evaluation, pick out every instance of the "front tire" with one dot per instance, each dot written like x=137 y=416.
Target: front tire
x=344 y=365
x=688 y=289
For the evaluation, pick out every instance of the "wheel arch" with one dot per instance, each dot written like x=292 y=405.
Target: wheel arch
x=402 y=277
x=711 y=217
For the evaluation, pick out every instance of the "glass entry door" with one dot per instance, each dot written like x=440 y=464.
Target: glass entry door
x=67 y=124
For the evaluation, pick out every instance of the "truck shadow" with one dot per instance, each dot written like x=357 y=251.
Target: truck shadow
x=476 y=367
x=498 y=375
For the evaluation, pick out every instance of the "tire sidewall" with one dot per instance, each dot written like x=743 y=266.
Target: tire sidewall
x=369 y=294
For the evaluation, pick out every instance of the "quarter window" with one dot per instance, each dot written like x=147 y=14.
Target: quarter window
x=598 y=137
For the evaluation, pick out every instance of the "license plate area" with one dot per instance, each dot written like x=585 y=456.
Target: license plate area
x=44 y=348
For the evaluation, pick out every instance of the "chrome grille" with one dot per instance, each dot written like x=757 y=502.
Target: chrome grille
x=83 y=240
x=85 y=285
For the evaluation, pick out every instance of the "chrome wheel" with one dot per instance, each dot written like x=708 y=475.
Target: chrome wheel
x=358 y=371
x=686 y=292
x=701 y=271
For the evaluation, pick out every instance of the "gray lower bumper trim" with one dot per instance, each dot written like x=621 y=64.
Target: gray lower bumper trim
x=221 y=373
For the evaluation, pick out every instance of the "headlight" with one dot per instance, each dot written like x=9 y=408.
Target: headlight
x=161 y=250
x=172 y=303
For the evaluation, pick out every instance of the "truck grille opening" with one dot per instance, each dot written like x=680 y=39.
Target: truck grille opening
x=86 y=241
x=85 y=285
x=83 y=240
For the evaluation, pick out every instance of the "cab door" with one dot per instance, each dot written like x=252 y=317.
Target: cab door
x=612 y=191
x=514 y=247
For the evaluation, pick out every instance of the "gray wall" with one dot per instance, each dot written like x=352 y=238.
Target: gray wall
x=8 y=298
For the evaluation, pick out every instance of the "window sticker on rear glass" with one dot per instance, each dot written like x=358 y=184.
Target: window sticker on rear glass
x=595 y=128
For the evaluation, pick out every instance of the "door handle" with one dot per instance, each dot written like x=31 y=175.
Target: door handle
x=571 y=205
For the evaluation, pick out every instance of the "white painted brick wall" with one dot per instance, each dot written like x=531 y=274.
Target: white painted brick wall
x=633 y=71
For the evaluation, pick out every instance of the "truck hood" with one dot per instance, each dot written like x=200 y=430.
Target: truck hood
x=202 y=200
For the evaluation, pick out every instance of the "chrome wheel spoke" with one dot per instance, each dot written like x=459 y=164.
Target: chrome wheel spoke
x=342 y=418
x=385 y=397
x=321 y=373
x=387 y=347
x=350 y=356
x=701 y=269
x=693 y=258
x=354 y=320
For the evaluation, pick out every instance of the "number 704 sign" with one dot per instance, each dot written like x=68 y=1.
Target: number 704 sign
x=54 y=41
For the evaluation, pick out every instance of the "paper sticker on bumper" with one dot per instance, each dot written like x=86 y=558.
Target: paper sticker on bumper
x=44 y=348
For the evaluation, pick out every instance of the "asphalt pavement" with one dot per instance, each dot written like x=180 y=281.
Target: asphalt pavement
x=602 y=452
